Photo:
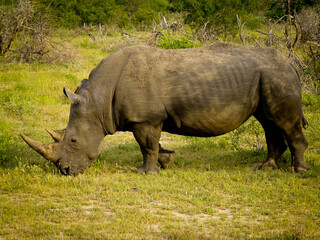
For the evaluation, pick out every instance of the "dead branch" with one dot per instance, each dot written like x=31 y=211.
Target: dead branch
x=92 y=37
x=290 y=43
x=31 y=40
x=298 y=32
x=12 y=22
x=256 y=41
x=123 y=32
x=270 y=36
x=314 y=43
x=100 y=32
x=240 y=27
x=166 y=26
x=152 y=40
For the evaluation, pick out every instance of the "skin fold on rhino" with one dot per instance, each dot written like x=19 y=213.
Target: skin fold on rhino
x=201 y=92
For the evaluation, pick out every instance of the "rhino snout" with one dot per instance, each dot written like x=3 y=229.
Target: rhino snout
x=65 y=170
x=68 y=170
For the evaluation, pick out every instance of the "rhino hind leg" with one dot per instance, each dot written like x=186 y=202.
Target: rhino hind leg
x=276 y=143
x=148 y=137
x=284 y=127
x=297 y=144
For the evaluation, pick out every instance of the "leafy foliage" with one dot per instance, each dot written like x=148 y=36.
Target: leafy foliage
x=72 y=13
x=278 y=8
x=221 y=14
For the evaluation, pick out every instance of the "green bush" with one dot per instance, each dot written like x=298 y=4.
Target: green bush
x=253 y=22
x=170 y=41
x=143 y=17
x=119 y=17
x=309 y=99
x=72 y=13
x=276 y=9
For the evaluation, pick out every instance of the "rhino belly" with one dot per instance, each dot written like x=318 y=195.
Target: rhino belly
x=208 y=122
x=207 y=114
x=210 y=98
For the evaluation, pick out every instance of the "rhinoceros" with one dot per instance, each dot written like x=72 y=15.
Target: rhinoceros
x=202 y=92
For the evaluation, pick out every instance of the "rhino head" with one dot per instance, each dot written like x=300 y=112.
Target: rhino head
x=77 y=146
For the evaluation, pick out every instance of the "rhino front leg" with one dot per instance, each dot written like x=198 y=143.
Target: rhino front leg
x=148 y=138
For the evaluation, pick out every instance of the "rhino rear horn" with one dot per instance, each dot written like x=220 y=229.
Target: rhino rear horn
x=57 y=135
x=74 y=97
x=46 y=150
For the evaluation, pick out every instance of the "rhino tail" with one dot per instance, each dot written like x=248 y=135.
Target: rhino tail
x=304 y=120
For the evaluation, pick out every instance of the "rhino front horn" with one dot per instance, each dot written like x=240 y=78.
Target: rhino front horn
x=46 y=150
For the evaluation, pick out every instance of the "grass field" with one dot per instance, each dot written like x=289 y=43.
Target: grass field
x=213 y=190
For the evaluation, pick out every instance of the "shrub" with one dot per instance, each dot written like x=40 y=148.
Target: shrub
x=309 y=22
x=170 y=41
x=253 y=22
x=24 y=35
x=13 y=21
x=143 y=17
x=119 y=17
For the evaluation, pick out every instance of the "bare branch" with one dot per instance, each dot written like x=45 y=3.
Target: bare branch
x=92 y=37
x=241 y=33
x=314 y=43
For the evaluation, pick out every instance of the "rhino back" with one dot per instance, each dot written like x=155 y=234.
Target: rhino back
x=192 y=91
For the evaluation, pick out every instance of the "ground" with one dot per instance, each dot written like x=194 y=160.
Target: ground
x=212 y=191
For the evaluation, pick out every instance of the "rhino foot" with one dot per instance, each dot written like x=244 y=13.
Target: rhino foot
x=143 y=169
x=166 y=159
x=298 y=169
x=270 y=164
x=301 y=169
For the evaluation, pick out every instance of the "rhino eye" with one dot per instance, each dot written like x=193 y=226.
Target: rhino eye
x=73 y=140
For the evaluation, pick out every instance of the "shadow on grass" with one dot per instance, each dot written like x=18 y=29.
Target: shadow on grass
x=127 y=157
x=209 y=158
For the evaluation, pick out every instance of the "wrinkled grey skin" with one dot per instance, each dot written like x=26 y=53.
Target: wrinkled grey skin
x=202 y=92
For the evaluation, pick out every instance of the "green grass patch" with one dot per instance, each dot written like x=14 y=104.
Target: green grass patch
x=212 y=191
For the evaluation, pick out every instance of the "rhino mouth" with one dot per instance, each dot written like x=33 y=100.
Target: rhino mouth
x=68 y=170
x=65 y=171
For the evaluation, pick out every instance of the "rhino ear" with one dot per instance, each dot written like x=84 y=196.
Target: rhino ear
x=74 y=98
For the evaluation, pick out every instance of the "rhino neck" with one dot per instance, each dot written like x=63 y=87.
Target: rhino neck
x=102 y=84
x=108 y=125
x=101 y=107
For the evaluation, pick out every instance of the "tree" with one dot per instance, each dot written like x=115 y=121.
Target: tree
x=279 y=8
x=12 y=21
